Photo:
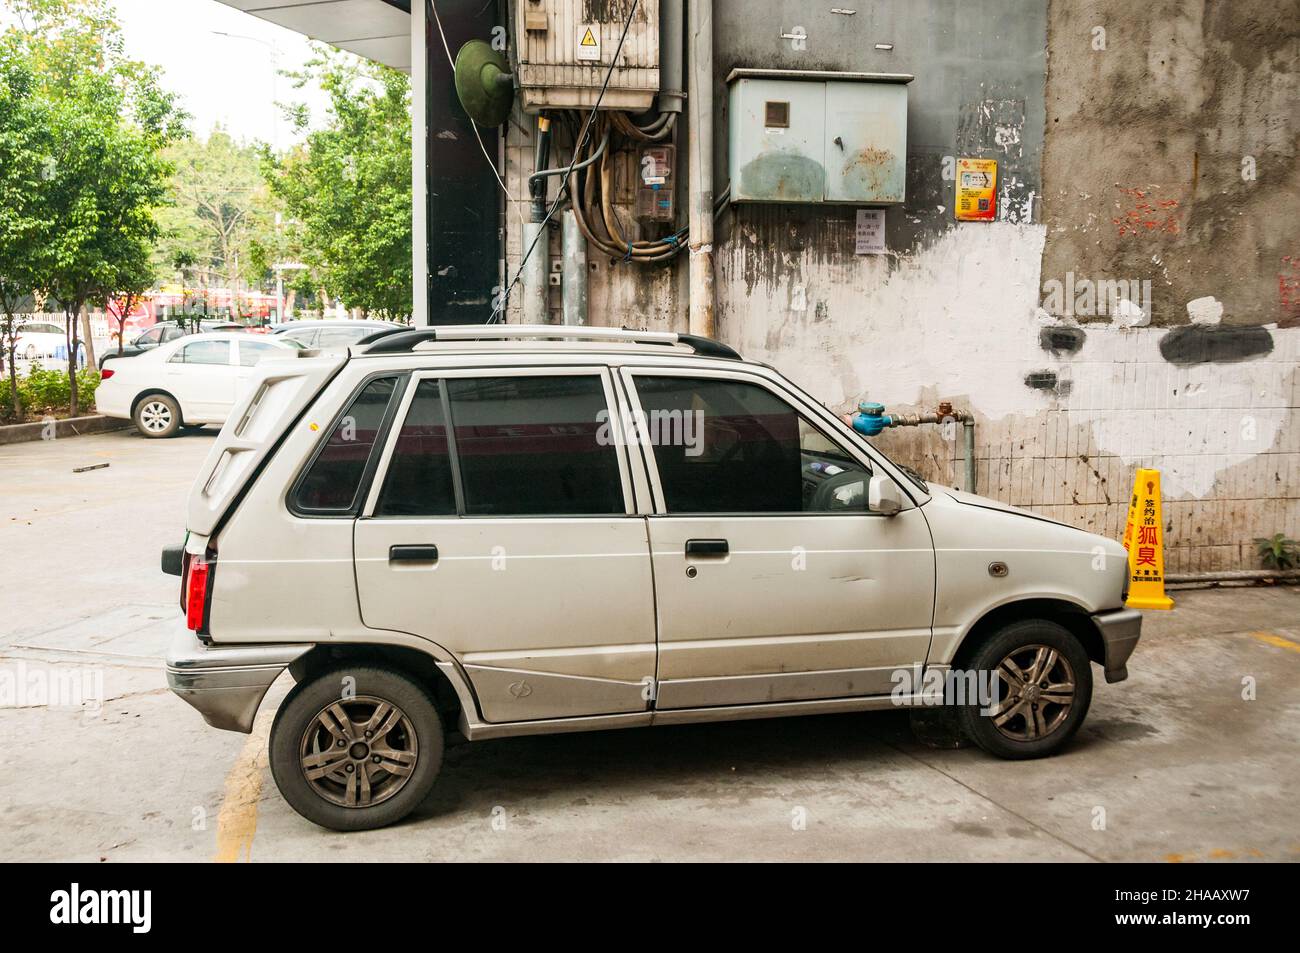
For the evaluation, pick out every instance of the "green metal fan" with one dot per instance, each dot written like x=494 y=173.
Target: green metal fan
x=484 y=83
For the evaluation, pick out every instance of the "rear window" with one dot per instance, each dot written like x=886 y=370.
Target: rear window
x=333 y=479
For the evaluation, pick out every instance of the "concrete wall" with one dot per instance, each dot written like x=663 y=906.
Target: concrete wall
x=1136 y=304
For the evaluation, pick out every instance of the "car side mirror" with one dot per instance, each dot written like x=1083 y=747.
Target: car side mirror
x=884 y=496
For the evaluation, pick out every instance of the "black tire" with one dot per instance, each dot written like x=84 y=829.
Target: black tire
x=1063 y=721
x=192 y=428
x=157 y=416
x=296 y=722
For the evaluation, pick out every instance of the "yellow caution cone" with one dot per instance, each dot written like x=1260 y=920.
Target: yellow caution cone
x=1144 y=538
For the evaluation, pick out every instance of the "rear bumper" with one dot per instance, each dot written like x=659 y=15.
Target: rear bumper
x=1120 y=630
x=226 y=683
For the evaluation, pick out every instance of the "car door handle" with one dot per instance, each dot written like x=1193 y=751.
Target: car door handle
x=706 y=547
x=412 y=554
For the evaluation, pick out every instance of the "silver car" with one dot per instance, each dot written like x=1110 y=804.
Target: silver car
x=504 y=530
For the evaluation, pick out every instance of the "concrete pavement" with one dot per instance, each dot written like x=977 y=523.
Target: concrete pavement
x=1179 y=763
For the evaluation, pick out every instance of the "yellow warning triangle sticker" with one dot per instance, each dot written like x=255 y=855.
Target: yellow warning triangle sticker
x=587 y=39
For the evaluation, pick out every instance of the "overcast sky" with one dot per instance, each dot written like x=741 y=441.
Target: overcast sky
x=221 y=79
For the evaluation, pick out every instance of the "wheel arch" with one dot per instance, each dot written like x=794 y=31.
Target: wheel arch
x=160 y=391
x=1070 y=615
x=423 y=666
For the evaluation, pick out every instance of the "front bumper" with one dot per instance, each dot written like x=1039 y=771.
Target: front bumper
x=226 y=683
x=1120 y=630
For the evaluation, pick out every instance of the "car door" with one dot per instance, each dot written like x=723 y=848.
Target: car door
x=201 y=375
x=501 y=527
x=773 y=580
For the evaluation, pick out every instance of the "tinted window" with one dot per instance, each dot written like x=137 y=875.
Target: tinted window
x=532 y=446
x=332 y=482
x=419 y=481
x=203 y=352
x=732 y=447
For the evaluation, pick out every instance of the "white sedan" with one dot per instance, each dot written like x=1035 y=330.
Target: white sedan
x=189 y=382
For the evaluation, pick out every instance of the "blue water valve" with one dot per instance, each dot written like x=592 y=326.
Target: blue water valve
x=871 y=418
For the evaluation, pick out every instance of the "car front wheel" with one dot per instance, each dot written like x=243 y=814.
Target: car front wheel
x=356 y=747
x=157 y=416
x=1040 y=685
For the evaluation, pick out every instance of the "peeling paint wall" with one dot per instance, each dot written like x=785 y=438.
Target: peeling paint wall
x=1137 y=303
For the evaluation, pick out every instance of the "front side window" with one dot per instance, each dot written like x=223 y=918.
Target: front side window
x=333 y=480
x=726 y=446
x=203 y=352
x=532 y=446
x=252 y=353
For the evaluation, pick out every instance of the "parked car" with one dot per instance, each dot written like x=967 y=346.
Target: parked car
x=162 y=333
x=187 y=382
x=323 y=334
x=40 y=340
x=617 y=529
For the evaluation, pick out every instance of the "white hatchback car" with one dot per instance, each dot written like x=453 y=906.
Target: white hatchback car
x=187 y=382
x=502 y=530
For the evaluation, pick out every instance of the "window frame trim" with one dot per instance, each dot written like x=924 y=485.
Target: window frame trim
x=601 y=371
x=630 y=374
x=400 y=387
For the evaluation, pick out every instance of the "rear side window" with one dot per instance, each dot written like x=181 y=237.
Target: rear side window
x=419 y=480
x=333 y=480
x=531 y=446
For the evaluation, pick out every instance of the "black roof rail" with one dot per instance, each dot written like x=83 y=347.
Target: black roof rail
x=403 y=340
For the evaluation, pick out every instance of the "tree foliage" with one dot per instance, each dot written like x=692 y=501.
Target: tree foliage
x=104 y=120
x=348 y=187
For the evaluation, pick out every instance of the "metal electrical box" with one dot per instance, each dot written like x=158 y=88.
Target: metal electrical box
x=817 y=136
x=565 y=47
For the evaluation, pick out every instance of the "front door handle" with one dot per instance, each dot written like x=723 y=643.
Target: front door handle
x=412 y=554
x=706 y=547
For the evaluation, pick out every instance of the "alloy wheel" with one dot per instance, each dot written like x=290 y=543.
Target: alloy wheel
x=1035 y=693
x=359 y=752
x=156 y=416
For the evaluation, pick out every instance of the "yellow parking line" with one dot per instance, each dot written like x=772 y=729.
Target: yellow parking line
x=1276 y=640
x=237 y=819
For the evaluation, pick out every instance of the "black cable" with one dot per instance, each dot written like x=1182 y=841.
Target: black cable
x=500 y=310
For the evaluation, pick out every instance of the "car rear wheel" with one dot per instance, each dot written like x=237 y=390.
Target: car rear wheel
x=1042 y=687
x=157 y=416
x=356 y=747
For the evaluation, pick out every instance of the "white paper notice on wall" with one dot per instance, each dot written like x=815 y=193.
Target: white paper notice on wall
x=589 y=42
x=870 y=233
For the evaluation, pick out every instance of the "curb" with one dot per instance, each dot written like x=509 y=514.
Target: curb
x=71 y=427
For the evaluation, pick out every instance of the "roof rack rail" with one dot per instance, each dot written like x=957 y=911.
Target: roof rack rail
x=403 y=340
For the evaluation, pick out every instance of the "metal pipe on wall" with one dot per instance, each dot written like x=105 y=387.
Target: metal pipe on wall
x=573 y=276
x=672 y=22
x=536 y=289
x=700 y=166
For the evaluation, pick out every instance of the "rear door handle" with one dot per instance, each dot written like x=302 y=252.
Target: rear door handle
x=412 y=554
x=706 y=547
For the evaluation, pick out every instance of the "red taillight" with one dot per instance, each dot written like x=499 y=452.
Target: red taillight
x=196 y=592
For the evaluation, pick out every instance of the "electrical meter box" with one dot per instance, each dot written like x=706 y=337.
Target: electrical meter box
x=813 y=136
x=565 y=47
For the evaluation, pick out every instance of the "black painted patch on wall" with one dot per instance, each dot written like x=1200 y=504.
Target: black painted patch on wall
x=1199 y=344
x=1061 y=339
x=1041 y=380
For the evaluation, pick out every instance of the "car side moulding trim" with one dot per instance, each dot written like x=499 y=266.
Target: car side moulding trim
x=1120 y=630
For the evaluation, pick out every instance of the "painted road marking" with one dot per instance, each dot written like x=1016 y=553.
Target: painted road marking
x=237 y=819
x=1276 y=640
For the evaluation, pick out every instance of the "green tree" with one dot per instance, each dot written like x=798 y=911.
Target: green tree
x=221 y=211
x=349 y=186
x=109 y=119
x=26 y=149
